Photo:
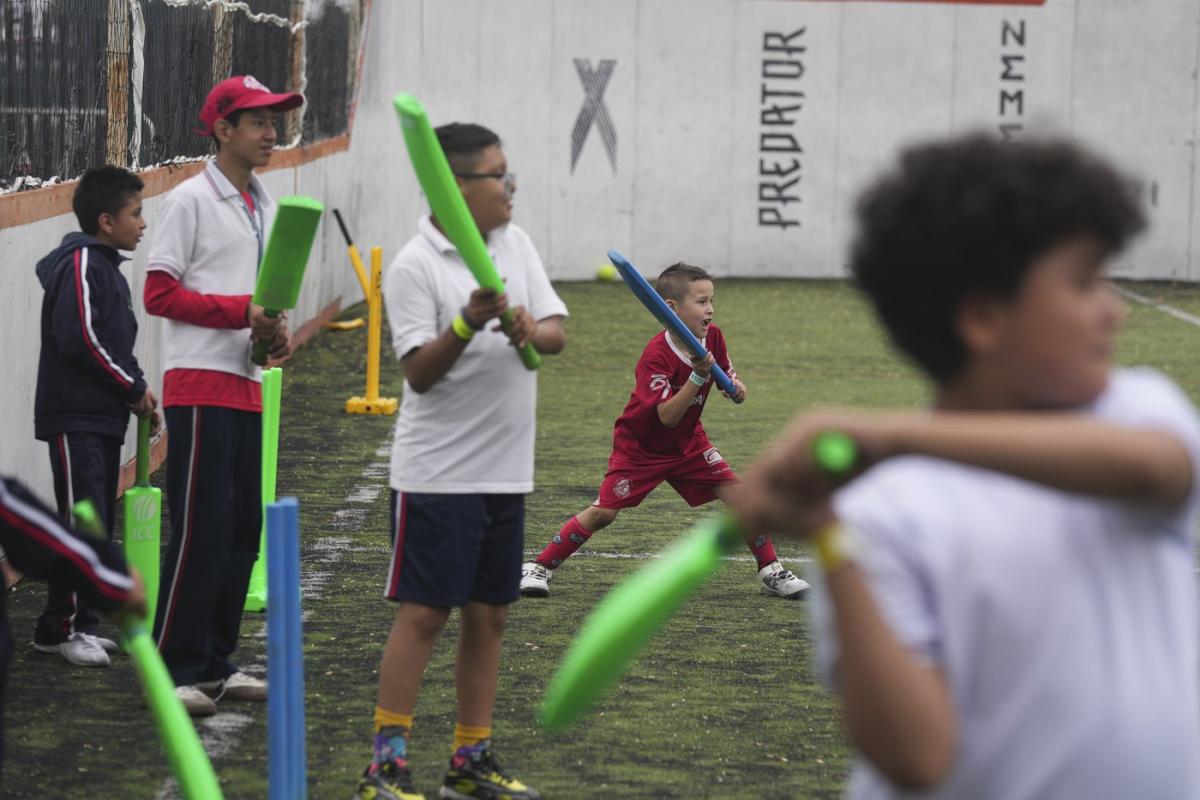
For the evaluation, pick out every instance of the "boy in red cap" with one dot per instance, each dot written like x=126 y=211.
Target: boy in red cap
x=203 y=260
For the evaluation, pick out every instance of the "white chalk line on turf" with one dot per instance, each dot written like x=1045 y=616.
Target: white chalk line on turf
x=1179 y=314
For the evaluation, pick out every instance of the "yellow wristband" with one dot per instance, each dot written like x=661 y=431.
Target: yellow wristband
x=461 y=329
x=833 y=546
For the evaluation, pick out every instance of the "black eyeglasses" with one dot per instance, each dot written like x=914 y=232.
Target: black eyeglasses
x=509 y=179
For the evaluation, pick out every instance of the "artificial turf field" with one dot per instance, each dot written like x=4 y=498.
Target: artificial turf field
x=724 y=703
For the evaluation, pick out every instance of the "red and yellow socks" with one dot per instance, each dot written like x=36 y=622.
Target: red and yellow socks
x=569 y=538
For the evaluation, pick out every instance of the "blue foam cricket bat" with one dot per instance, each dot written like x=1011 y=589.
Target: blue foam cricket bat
x=663 y=313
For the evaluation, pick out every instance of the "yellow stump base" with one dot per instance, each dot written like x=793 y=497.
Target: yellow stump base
x=345 y=324
x=366 y=405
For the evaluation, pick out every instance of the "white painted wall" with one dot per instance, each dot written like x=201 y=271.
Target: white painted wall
x=685 y=99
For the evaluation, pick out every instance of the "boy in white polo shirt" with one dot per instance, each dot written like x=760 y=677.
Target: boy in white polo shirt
x=1009 y=599
x=203 y=262
x=462 y=464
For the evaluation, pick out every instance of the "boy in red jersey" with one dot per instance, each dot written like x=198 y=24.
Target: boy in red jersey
x=658 y=437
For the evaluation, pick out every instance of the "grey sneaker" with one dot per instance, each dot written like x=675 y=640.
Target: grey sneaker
x=535 y=580
x=79 y=649
x=779 y=581
x=238 y=686
x=196 y=702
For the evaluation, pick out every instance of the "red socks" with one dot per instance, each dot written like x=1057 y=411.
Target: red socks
x=763 y=549
x=572 y=536
x=568 y=539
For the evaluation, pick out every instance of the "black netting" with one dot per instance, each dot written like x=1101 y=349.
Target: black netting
x=178 y=74
x=52 y=109
x=53 y=82
x=264 y=51
x=328 y=70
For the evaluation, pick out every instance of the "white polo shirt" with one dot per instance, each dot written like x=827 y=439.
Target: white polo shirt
x=206 y=238
x=1066 y=625
x=473 y=431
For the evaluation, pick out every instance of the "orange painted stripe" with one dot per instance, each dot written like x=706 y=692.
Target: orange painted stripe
x=22 y=208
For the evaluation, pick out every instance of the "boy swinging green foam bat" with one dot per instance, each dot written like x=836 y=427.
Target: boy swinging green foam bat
x=285 y=259
x=446 y=201
x=644 y=602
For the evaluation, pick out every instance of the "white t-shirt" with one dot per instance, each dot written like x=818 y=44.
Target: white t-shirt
x=1066 y=625
x=205 y=237
x=472 y=432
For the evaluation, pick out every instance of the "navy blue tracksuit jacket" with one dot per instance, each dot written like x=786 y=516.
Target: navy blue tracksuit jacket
x=87 y=374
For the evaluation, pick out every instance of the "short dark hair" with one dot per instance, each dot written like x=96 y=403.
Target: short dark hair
x=462 y=143
x=233 y=118
x=969 y=216
x=102 y=190
x=673 y=282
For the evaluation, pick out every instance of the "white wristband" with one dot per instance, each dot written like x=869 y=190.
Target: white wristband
x=697 y=378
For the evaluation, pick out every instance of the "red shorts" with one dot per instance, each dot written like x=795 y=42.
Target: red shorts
x=694 y=477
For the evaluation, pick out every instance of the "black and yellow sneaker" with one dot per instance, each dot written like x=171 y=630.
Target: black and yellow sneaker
x=474 y=773
x=388 y=781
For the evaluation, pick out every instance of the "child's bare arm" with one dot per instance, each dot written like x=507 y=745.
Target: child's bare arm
x=671 y=410
x=550 y=337
x=898 y=709
x=429 y=363
x=1064 y=451
x=546 y=335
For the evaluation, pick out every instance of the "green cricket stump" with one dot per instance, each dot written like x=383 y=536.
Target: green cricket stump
x=272 y=384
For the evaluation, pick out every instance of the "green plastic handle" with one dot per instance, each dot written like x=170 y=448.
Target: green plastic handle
x=261 y=352
x=638 y=607
x=437 y=181
x=835 y=453
x=143 y=452
x=189 y=761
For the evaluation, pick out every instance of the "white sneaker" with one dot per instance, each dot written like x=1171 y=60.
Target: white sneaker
x=78 y=649
x=780 y=582
x=535 y=580
x=108 y=644
x=197 y=703
x=238 y=686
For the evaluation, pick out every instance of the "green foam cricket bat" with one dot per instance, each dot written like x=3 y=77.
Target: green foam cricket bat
x=142 y=513
x=285 y=259
x=272 y=389
x=189 y=761
x=640 y=605
x=437 y=181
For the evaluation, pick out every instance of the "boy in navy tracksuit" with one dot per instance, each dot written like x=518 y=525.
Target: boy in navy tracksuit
x=88 y=382
x=39 y=545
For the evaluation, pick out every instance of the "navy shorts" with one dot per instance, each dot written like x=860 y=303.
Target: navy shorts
x=451 y=549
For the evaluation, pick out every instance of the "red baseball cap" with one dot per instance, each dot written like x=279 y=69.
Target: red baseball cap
x=240 y=92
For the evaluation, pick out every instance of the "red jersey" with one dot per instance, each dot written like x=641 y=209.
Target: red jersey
x=661 y=371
